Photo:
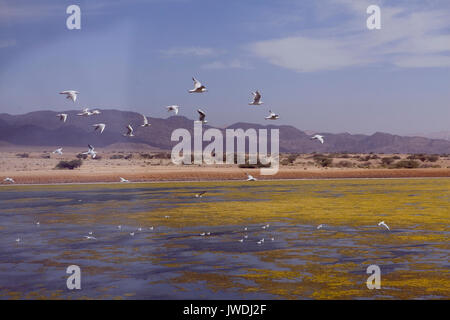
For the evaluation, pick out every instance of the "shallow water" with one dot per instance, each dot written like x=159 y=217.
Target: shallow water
x=173 y=261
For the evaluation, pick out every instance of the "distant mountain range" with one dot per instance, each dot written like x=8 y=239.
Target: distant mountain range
x=43 y=128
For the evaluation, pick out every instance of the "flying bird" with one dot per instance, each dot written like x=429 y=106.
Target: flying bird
x=200 y=194
x=129 y=131
x=145 y=124
x=318 y=137
x=202 y=116
x=85 y=113
x=90 y=238
x=58 y=151
x=198 y=87
x=320 y=226
x=95 y=112
x=91 y=152
x=173 y=108
x=256 y=99
x=99 y=126
x=70 y=94
x=62 y=117
x=272 y=116
x=123 y=180
x=250 y=177
x=10 y=180
x=384 y=225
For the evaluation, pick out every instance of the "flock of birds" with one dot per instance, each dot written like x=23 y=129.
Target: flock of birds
x=245 y=230
x=100 y=127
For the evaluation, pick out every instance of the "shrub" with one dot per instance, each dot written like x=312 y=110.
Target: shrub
x=82 y=156
x=69 y=164
x=322 y=160
x=22 y=155
x=408 y=164
x=387 y=161
x=116 y=156
x=344 y=164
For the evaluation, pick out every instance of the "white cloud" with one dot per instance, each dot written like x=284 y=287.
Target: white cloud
x=233 y=64
x=189 y=51
x=408 y=39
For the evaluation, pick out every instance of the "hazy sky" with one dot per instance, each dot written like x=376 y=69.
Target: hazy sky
x=315 y=62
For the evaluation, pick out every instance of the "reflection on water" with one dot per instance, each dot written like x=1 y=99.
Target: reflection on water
x=189 y=248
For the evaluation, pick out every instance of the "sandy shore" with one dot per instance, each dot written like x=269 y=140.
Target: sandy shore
x=174 y=173
x=38 y=167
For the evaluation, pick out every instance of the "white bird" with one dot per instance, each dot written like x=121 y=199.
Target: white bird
x=132 y=234
x=123 y=180
x=320 y=226
x=245 y=229
x=256 y=99
x=58 y=151
x=200 y=195
x=250 y=177
x=95 y=112
x=62 y=116
x=90 y=232
x=318 y=137
x=208 y=233
x=259 y=242
x=70 y=94
x=262 y=240
x=173 y=108
x=145 y=124
x=272 y=116
x=91 y=152
x=38 y=223
x=90 y=238
x=10 y=180
x=18 y=240
x=167 y=217
x=202 y=116
x=241 y=240
x=151 y=228
x=272 y=239
x=85 y=113
x=202 y=234
x=99 y=126
x=246 y=236
x=139 y=229
x=384 y=225
x=119 y=227
x=198 y=87
x=129 y=131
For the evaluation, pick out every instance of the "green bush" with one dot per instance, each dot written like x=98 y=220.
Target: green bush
x=69 y=164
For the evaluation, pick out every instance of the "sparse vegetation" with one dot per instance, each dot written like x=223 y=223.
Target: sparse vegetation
x=22 y=155
x=408 y=164
x=69 y=164
x=344 y=164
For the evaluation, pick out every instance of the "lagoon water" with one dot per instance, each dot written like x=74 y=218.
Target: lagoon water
x=173 y=261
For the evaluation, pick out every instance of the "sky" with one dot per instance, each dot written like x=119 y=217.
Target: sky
x=315 y=61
